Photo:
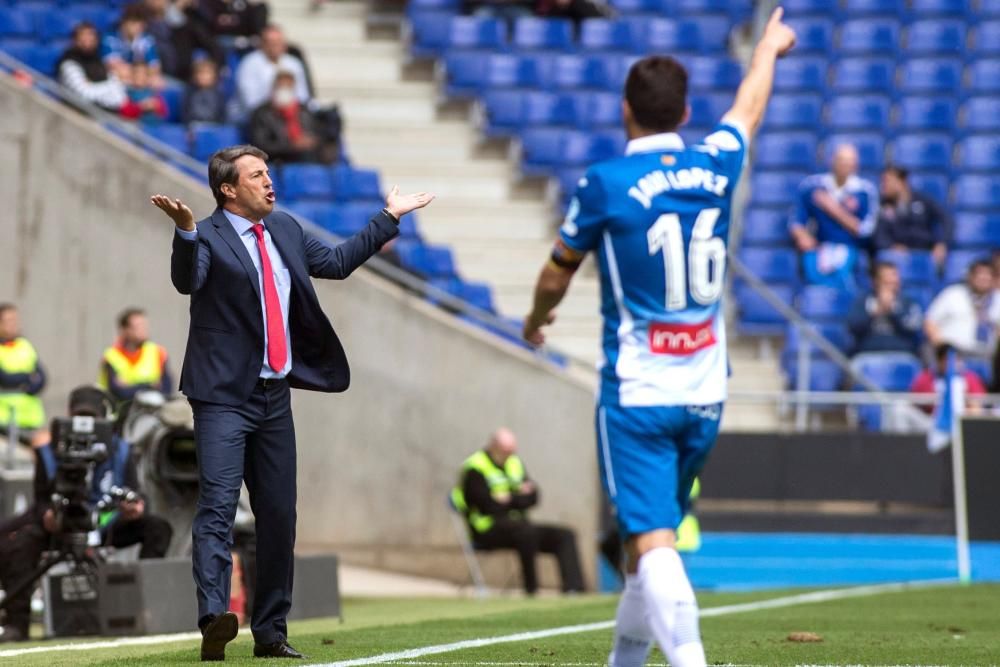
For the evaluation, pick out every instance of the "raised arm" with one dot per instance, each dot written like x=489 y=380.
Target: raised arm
x=755 y=90
x=190 y=259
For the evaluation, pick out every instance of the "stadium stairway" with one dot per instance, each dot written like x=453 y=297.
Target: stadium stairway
x=499 y=226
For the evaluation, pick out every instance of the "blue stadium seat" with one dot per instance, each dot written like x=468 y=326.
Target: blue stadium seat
x=791 y=111
x=708 y=108
x=173 y=98
x=593 y=109
x=352 y=183
x=977 y=230
x=471 y=32
x=988 y=9
x=956 y=265
x=930 y=8
x=787 y=150
x=430 y=260
x=43 y=57
x=873 y=7
x=471 y=73
x=805 y=7
x=433 y=5
x=980 y=152
x=712 y=31
x=355 y=216
x=979 y=115
x=757 y=317
x=474 y=293
x=545 y=149
x=871 y=148
x=710 y=73
x=923 y=295
x=662 y=35
x=891 y=372
x=855 y=75
x=606 y=35
x=814 y=35
x=934 y=36
x=984 y=77
x=542 y=34
x=734 y=8
x=824 y=375
x=16 y=23
x=765 y=227
x=987 y=39
x=869 y=36
x=857 y=113
x=323 y=213
x=835 y=332
x=772 y=265
x=930 y=75
x=775 y=189
x=932 y=184
x=504 y=111
x=626 y=7
x=795 y=74
x=171 y=134
x=306 y=181
x=916 y=267
x=926 y=113
x=568 y=72
x=922 y=151
x=59 y=24
x=817 y=303
x=208 y=138
x=975 y=191
x=429 y=32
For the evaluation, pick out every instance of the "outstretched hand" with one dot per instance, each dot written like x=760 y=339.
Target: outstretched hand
x=779 y=34
x=399 y=205
x=176 y=210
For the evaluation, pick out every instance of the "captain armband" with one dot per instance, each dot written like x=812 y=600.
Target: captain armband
x=565 y=258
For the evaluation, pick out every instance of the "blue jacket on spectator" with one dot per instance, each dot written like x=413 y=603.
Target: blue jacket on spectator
x=896 y=331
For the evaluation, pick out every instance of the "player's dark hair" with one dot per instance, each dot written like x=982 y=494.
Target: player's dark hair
x=222 y=168
x=126 y=316
x=656 y=92
x=902 y=173
x=5 y=306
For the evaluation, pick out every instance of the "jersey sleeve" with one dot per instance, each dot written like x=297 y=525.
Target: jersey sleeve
x=868 y=215
x=727 y=144
x=800 y=214
x=581 y=230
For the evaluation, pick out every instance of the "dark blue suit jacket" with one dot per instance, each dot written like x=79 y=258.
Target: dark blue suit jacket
x=225 y=348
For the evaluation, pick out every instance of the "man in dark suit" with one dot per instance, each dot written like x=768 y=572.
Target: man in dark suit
x=256 y=329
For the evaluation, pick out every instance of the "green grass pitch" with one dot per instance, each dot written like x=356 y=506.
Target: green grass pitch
x=948 y=625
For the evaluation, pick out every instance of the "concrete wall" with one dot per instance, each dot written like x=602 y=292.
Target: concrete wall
x=81 y=241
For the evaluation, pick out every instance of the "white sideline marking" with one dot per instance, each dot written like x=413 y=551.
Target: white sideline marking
x=774 y=603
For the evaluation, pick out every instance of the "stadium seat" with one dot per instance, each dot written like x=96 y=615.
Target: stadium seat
x=977 y=230
x=351 y=183
x=306 y=181
x=323 y=213
x=891 y=372
x=593 y=109
x=932 y=184
x=936 y=36
x=43 y=57
x=765 y=227
x=788 y=150
x=824 y=375
x=775 y=189
x=471 y=32
x=708 y=108
x=814 y=35
x=772 y=265
x=711 y=73
x=208 y=138
x=173 y=135
x=732 y=7
x=433 y=5
x=922 y=151
x=930 y=8
x=542 y=34
x=575 y=71
x=979 y=115
x=805 y=7
x=662 y=35
x=16 y=23
x=855 y=75
x=956 y=265
x=471 y=73
x=984 y=77
x=817 y=303
x=916 y=267
x=980 y=152
x=987 y=9
x=873 y=7
x=857 y=113
x=930 y=76
x=626 y=7
x=712 y=31
x=925 y=113
x=757 y=317
x=869 y=36
x=428 y=32
x=430 y=260
x=835 y=333
x=476 y=294
x=975 y=191
x=871 y=148
x=606 y=35
x=797 y=74
x=986 y=39
x=791 y=111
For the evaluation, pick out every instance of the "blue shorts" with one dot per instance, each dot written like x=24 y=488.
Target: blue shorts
x=649 y=458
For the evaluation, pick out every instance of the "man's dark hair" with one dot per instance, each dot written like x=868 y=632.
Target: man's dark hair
x=980 y=264
x=941 y=351
x=222 y=168
x=656 y=92
x=126 y=316
x=135 y=12
x=902 y=173
x=882 y=264
x=80 y=27
x=283 y=75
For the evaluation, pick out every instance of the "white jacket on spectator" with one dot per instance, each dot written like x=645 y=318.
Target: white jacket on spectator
x=953 y=313
x=109 y=93
x=255 y=78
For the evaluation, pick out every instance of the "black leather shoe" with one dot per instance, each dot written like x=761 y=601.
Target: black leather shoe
x=276 y=650
x=218 y=632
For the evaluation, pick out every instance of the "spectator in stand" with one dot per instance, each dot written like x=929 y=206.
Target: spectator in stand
x=505 y=10
x=909 y=220
x=256 y=72
x=144 y=103
x=286 y=130
x=931 y=379
x=885 y=320
x=203 y=99
x=575 y=10
x=180 y=33
x=241 y=18
x=130 y=45
x=82 y=70
x=834 y=216
x=967 y=315
x=995 y=263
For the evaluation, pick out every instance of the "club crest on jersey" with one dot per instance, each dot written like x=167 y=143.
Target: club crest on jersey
x=680 y=339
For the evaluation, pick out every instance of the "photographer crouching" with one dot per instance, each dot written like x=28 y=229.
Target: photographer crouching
x=81 y=494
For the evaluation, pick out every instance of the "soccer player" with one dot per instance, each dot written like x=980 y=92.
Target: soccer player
x=658 y=220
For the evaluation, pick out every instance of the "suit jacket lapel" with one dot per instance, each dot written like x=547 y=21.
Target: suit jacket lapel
x=283 y=244
x=230 y=236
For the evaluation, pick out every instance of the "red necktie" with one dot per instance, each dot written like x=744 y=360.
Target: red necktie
x=277 y=350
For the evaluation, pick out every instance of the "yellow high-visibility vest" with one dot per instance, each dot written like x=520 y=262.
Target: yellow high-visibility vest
x=500 y=481
x=19 y=356
x=145 y=368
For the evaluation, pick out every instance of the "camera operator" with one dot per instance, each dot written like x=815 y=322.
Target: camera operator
x=121 y=523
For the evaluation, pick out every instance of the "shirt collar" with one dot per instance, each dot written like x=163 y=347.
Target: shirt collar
x=653 y=143
x=239 y=223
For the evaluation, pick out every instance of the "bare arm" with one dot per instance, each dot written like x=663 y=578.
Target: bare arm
x=549 y=292
x=755 y=90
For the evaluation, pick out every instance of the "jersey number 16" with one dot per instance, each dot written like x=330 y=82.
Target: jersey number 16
x=706 y=260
